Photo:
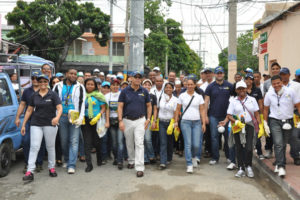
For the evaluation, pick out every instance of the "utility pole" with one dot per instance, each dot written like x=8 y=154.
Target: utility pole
x=166 y=66
x=136 y=57
x=110 y=69
x=126 y=46
x=232 y=45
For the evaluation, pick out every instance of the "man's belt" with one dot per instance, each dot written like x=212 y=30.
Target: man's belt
x=134 y=118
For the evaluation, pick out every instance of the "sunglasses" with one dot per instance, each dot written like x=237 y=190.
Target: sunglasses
x=43 y=81
x=34 y=78
x=138 y=77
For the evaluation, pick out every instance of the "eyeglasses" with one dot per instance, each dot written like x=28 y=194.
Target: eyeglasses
x=43 y=81
x=47 y=69
x=138 y=77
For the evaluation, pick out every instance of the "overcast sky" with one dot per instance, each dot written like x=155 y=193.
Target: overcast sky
x=186 y=12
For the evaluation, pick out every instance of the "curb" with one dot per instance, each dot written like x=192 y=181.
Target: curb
x=262 y=168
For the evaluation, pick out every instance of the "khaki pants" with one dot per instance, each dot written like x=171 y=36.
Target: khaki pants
x=134 y=136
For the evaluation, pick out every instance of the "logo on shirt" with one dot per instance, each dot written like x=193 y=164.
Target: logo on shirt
x=48 y=100
x=142 y=94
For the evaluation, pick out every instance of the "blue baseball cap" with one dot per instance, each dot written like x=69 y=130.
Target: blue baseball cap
x=284 y=70
x=43 y=76
x=58 y=74
x=120 y=76
x=136 y=73
x=248 y=70
x=35 y=74
x=105 y=83
x=297 y=72
x=249 y=75
x=219 y=69
x=192 y=77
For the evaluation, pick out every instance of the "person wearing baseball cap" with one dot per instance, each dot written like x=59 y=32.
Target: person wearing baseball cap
x=105 y=87
x=102 y=76
x=297 y=76
x=124 y=84
x=248 y=70
x=242 y=111
x=60 y=76
x=157 y=70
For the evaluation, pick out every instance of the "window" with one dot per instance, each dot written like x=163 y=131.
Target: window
x=118 y=49
x=266 y=62
x=5 y=96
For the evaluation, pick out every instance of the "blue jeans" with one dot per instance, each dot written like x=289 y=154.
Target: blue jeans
x=215 y=138
x=117 y=143
x=166 y=143
x=69 y=138
x=192 y=136
x=149 y=153
x=26 y=146
x=104 y=148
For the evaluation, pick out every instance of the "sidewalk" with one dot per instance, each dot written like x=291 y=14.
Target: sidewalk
x=291 y=182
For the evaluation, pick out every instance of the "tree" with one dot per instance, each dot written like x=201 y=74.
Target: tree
x=245 y=58
x=48 y=27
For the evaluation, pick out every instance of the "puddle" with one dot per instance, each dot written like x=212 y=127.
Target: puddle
x=184 y=192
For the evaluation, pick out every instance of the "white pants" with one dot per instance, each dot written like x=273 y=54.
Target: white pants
x=134 y=135
x=36 y=137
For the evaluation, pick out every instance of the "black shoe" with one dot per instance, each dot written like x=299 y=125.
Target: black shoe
x=139 y=174
x=89 y=168
x=99 y=163
x=130 y=166
x=146 y=163
x=152 y=161
x=52 y=172
x=115 y=162
x=25 y=169
x=207 y=155
x=28 y=177
x=38 y=168
x=297 y=161
x=120 y=166
x=59 y=163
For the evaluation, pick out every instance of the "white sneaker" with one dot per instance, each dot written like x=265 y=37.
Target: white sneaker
x=268 y=154
x=65 y=165
x=276 y=169
x=71 y=171
x=195 y=163
x=249 y=172
x=212 y=162
x=261 y=157
x=228 y=161
x=281 y=172
x=189 y=169
x=240 y=173
x=231 y=166
x=198 y=161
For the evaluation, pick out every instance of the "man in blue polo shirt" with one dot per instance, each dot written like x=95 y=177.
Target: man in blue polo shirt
x=134 y=112
x=217 y=96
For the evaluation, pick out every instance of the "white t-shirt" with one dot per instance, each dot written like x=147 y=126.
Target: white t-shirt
x=294 y=86
x=281 y=107
x=167 y=108
x=112 y=101
x=193 y=112
x=15 y=86
x=235 y=107
x=204 y=85
x=157 y=93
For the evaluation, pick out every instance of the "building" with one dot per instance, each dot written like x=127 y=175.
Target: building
x=279 y=41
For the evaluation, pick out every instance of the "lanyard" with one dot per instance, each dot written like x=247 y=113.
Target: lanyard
x=68 y=94
x=278 y=100
x=243 y=103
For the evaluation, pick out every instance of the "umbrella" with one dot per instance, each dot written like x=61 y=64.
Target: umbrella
x=33 y=60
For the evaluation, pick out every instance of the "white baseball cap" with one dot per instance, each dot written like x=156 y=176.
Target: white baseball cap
x=240 y=84
x=102 y=74
x=156 y=69
x=96 y=70
x=177 y=82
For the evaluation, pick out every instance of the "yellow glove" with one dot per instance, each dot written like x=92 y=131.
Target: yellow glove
x=237 y=126
x=83 y=121
x=170 y=127
x=296 y=120
x=176 y=133
x=261 y=130
x=95 y=119
x=157 y=124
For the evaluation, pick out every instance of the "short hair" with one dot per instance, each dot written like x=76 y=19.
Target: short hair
x=275 y=78
x=275 y=63
x=257 y=72
x=72 y=68
x=42 y=67
x=88 y=72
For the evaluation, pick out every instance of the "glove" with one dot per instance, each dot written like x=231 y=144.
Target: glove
x=170 y=127
x=83 y=121
x=296 y=121
x=240 y=124
x=298 y=125
x=176 y=133
x=78 y=122
x=261 y=130
x=95 y=119
x=237 y=126
x=267 y=129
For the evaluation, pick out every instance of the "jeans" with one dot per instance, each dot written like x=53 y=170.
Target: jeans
x=207 y=139
x=166 y=143
x=192 y=135
x=280 y=139
x=258 y=147
x=215 y=138
x=37 y=133
x=244 y=152
x=26 y=146
x=149 y=153
x=91 y=139
x=58 y=151
x=269 y=140
x=69 y=138
x=81 y=144
x=155 y=142
x=117 y=143
x=295 y=143
x=104 y=145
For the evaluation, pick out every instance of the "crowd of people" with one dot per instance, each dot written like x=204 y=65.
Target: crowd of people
x=146 y=119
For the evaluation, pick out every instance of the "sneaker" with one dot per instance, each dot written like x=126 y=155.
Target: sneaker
x=162 y=166
x=198 y=161
x=240 y=173
x=38 y=168
x=281 y=172
x=231 y=166
x=71 y=171
x=268 y=154
x=195 y=163
x=276 y=169
x=189 y=169
x=261 y=157
x=104 y=162
x=65 y=165
x=228 y=161
x=120 y=166
x=52 y=172
x=89 y=168
x=297 y=161
x=213 y=162
x=249 y=172
x=28 y=177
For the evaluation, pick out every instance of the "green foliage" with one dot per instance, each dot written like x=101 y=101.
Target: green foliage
x=48 y=27
x=245 y=58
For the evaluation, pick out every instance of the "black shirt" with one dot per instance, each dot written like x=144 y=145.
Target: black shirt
x=44 y=108
x=153 y=101
x=256 y=93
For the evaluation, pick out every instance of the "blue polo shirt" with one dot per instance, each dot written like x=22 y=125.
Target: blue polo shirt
x=219 y=98
x=134 y=102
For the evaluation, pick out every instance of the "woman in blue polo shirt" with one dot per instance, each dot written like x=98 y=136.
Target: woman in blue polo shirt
x=46 y=109
x=94 y=108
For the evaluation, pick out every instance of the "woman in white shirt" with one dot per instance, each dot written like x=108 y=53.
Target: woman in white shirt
x=243 y=109
x=167 y=107
x=113 y=123
x=192 y=124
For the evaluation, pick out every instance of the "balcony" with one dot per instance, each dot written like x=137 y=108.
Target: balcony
x=94 y=59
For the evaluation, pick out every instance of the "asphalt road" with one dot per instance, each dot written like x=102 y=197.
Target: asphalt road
x=109 y=183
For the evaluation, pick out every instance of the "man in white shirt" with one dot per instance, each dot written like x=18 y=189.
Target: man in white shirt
x=281 y=101
x=209 y=75
x=258 y=84
x=158 y=89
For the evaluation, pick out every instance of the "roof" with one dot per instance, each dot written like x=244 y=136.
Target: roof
x=277 y=16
